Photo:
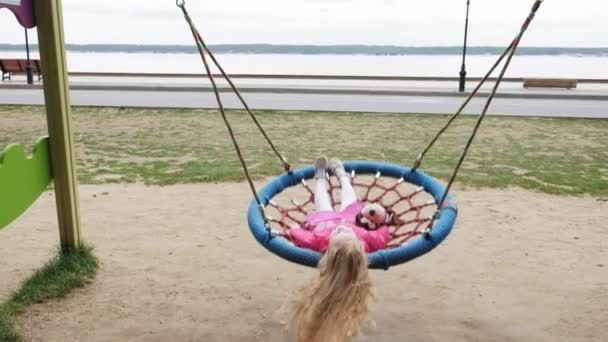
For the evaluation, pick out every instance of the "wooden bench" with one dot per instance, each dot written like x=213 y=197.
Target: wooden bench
x=549 y=83
x=11 y=67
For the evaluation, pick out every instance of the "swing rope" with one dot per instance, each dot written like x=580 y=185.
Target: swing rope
x=510 y=51
x=203 y=48
x=420 y=157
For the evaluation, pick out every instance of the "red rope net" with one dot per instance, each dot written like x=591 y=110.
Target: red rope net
x=411 y=205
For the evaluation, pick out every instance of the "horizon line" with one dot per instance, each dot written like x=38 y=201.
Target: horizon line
x=294 y=49
x=321 y=45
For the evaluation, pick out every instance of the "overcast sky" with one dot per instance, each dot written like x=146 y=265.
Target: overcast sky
x=581 y=23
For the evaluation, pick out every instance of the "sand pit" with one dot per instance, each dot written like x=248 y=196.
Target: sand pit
x=179 y=264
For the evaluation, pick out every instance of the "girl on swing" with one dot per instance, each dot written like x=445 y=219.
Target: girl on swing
x=334 y=305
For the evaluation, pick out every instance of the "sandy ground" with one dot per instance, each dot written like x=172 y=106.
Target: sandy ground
x=179 y=264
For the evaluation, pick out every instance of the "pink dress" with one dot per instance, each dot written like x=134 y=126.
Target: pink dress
x=322 y=224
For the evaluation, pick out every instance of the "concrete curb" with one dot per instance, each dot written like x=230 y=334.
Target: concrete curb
x=318 y=91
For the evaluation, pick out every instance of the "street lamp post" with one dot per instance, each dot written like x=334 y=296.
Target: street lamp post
x=28 y=67
x=463 y=71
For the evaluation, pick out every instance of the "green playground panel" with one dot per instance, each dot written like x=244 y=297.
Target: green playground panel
x=22 y=179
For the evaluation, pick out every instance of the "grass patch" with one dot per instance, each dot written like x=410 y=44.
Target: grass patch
x=57 y=278
x=176 y=146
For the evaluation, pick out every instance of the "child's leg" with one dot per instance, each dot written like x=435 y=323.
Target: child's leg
x=322 y=201
x=347 y=193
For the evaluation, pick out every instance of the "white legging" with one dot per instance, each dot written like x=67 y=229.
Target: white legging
x=347 y=193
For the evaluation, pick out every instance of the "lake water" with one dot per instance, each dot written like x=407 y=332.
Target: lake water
x=565 y=66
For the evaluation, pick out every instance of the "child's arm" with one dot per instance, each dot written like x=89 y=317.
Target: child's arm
x=377 y=239
x=303 y=238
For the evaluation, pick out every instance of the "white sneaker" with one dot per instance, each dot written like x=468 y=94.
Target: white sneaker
x=336 y=167
x=321 y=168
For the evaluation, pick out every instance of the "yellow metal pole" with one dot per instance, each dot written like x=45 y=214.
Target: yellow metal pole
x=56 y=93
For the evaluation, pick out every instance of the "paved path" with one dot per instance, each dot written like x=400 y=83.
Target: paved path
x=321 y=102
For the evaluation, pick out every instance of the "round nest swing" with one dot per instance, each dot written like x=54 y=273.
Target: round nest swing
x=395 y=187
x=420 y=225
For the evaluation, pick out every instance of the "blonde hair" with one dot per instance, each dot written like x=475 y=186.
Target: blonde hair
x=334 y=306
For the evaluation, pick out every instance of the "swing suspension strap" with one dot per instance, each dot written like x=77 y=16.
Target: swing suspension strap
x=509 y=52
x=202 y=49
